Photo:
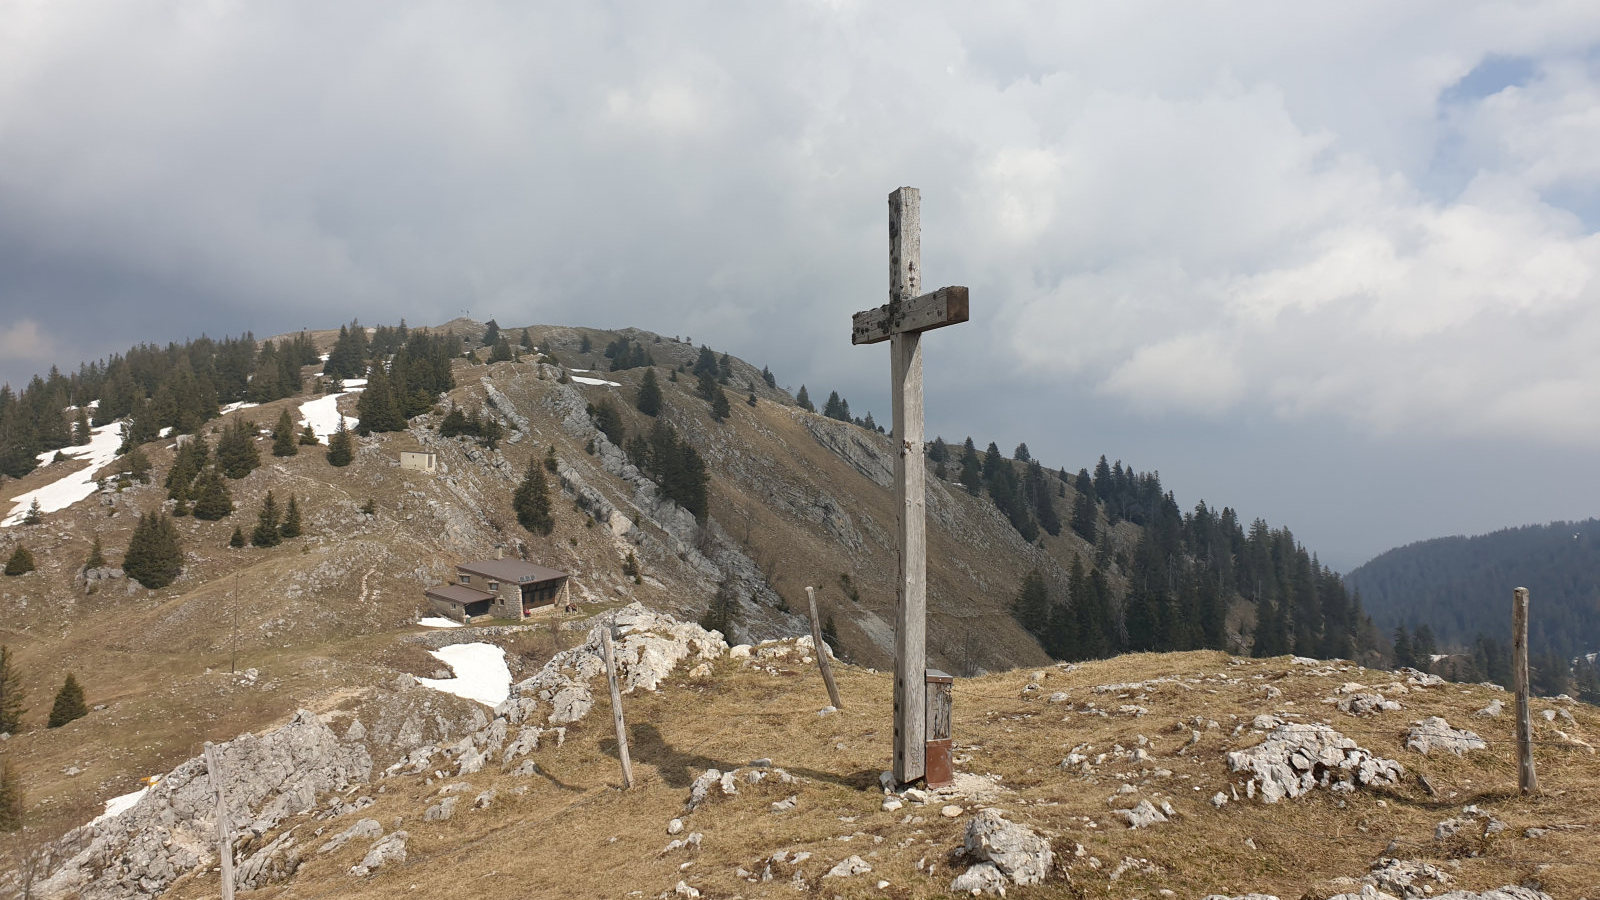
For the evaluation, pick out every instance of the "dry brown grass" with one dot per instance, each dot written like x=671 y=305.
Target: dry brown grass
x=575 y=833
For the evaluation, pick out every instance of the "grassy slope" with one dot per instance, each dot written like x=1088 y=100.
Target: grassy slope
x=574 y=833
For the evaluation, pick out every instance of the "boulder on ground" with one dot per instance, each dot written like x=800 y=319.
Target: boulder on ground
x=1296 y=758
x=1019 y=853
x=1434 y=733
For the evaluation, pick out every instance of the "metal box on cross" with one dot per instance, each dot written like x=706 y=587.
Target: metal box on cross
x=936 y=753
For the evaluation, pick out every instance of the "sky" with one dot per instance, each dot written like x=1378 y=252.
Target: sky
x=1331 y=264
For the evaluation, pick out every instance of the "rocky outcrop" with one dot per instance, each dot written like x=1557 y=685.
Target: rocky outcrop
x=391 y=848
x=172 y=829
x=651 y=645
x=1296 y=758
x=1003 y=851
x=1434 y=733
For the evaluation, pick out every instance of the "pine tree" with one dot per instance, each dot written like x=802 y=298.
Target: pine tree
x=1084 y=517
x=96 y=559
x=649 y=401
x=34 y=515
x=971 y=469
x=1402 y=648
x=723 y=612
x=11 y=805
x=1031 y=608
x=340 y=446
x=266 y=531
x=20 y=563
x=236 y=451
x=69 y=704
x=154 y=557
x=527 y=340
x=308 y=437
x=81 y=433
x=803 y=400
x=377 y=408
x=719 y=405
x=1021 y=454
x=768 y=377
x=532 y=502
x=550 y=459
x=608 y=419
x=836 y=407
x=237 y=540
x=11 y=693
x=212 y=499
x=283 y=437
x=136 y=465
x=491 y=334
x=291 y=520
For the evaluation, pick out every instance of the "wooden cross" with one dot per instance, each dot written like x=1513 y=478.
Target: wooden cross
x=901 y=322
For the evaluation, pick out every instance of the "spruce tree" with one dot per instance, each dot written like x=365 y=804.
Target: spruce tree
x=291 y=520
x=236 y=451
x=136 y=465
x=154 y=558
x=803 y=400
x=34 y=515
x=719 y=405
x=532 y=502
x=491 y=334
x=723 y=612
x=501 y=351
x=1402 y=648
x=266 y=531
x=69 y=704
x=11 y=807
x=96 y=558
x=212 y=499
x=377 y=408
x=81 y=433
x=768 y=377
x=1031 y=608
x=340 y=446
x=308 y=437
x=649 y=401
x=283 y=436
x=550 y=459
x=11 y=694
x=527 y=340
x=20 y=563
x=237 y=540
x=1084 y=517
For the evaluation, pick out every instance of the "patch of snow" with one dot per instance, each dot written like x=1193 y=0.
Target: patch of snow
x=481 y=673
x=74 y=486
x=595 y=381
x=116 y=806
x=235 y=407
x=580 y=370
x=165 y=432
x=322 y=414
x=438 y=622
x=1435 y=657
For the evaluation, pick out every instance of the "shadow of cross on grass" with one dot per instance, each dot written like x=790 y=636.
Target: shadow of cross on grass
x=678 y=768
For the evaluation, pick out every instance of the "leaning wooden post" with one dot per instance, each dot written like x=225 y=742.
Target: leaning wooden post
x=224 y=828
x=1527 y=780
x=616 y=707
x=821 y=648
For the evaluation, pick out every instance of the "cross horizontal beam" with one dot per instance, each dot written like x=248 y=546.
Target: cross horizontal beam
x=946 y=306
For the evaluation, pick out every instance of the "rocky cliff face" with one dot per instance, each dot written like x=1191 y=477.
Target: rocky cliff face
x=172 y=829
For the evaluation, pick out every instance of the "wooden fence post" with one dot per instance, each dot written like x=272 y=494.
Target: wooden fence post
x=821 y=650
x=224 y=828
x=616 y=707
x=1527 y=780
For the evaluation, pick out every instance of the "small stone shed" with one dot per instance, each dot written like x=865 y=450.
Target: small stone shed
x=504 y=588
x=419 y=460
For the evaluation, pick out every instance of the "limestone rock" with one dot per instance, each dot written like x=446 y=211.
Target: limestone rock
x=1019 y=853
x=701 y=788
x=366 y=828
x=388 y=849
x=1296 y=758
x=172 y=829
x=1434 y=733
x=1493 y=710
x=849 y=867
x=277 y=861
x=1142 y=816
x=982 y=878
x=441 y=811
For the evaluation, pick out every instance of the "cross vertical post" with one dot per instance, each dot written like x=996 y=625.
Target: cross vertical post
x=911 y=588
x=901 y=322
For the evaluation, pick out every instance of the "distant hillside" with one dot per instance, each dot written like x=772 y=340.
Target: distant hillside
x=1461 y=586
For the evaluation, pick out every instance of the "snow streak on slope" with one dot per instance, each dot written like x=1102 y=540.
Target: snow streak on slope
x=74 y=486
x=481 y=673
x=322 y=414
